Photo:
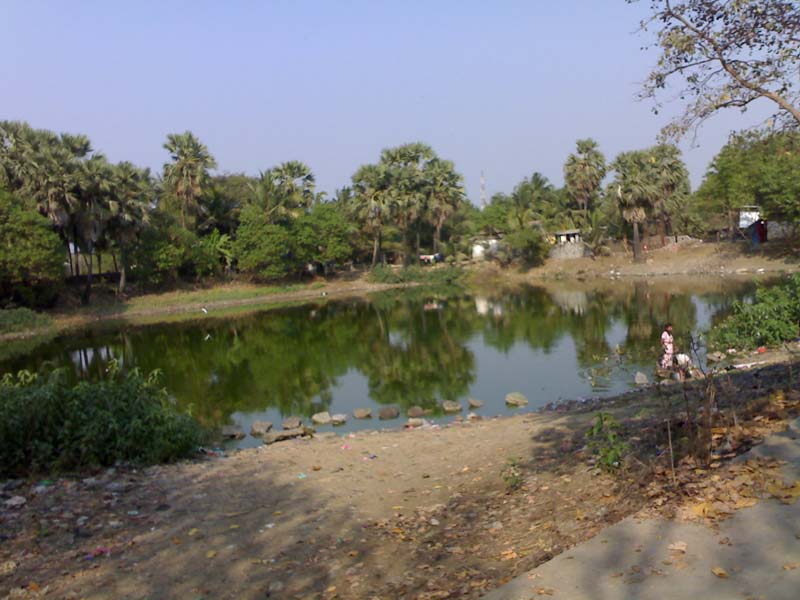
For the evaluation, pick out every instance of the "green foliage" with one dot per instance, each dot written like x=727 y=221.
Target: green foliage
x=48 y=424
x=583 y=173
x=755 y=168
x=512 y=474
x=186 y=175
x=22 y=319
x=321 y=236
x=604 y=440
x=773 y=317
x=31 y=255
x=212 y=253
x=716 y=55
x=528 y=244
x=262 y=249
x=431 y=275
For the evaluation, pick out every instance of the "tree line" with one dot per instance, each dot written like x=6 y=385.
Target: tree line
x=68 y=213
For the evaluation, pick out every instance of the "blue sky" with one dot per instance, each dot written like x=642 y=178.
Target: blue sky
x=504 y=87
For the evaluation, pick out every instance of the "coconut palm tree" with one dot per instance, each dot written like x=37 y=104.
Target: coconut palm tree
x=583 y=173
x=187 y=173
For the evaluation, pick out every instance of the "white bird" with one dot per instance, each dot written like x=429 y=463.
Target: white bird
x=205 y=310
x=208 y=337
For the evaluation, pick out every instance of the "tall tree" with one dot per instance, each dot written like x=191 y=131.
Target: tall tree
x=187 y=171
x=294 y=185
x=583 y=173
x=48 y=169
x=637 y=190
x=445 y=194
x=726 y=54
x=672 y=181
x=129 y=206
x=408 y=190
x=90 y=218
x=371 y=204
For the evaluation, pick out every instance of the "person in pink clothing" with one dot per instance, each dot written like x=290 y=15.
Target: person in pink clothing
x=668 y=346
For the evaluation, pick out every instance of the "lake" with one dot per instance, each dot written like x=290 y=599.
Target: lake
x=405 y=348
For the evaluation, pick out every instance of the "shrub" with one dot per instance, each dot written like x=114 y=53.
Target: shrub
x=528 y=244
x=31 y=255
x=22 y=319
x=48 y=424
x=605 y=442
x=435 y=276
x=512 y=474
x=262 y=249
x=773 y=317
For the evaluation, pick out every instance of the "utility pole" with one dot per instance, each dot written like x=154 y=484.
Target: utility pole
x=483 y=191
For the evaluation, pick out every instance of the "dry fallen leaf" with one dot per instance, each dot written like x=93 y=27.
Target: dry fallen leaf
x=192 y=532
x=720 y=572
x=544 y=591
x=678 y=547
x=791 y=566
x=211 y=554
x=508 y=555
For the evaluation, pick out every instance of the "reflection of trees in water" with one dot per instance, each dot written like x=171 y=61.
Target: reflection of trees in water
x=411 y=347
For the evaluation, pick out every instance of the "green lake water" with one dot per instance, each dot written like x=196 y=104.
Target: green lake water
x=415 y=347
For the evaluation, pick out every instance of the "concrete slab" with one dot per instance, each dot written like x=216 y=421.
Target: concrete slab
x=758 y=549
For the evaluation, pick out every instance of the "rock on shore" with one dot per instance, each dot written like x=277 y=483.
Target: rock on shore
x=388 y=412
x=260 y=428
x=516 y=399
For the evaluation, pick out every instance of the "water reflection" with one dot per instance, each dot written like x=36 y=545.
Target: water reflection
x=403 y=348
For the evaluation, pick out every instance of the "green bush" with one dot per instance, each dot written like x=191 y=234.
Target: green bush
x=773 y=317
x=527 y=244
x=48 y=424
x=31 y=256
x=604 y=440
x=428 y=275
x=262 y=249
x=22 y=319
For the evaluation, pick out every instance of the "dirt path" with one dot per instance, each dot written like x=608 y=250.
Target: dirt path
x=389 y=515
x=694 y=258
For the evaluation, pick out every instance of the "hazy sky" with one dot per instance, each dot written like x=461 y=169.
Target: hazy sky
x=499 y=86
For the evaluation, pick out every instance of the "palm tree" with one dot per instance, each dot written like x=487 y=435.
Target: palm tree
x=673 y=181
x=129 y=205
x=408 y=189
x=187 y=172
x=445 y=194
x=90 y=218
x=294 y=185
x=583 y=173
x=47 y=169
x=637 y=190
x=371 y=203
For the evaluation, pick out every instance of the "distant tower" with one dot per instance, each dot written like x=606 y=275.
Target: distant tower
x=483 y=191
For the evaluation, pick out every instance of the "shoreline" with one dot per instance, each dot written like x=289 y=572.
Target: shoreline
x=379 y=512
x=699 y=260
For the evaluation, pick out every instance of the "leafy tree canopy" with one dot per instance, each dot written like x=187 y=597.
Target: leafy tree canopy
x=725 y=54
